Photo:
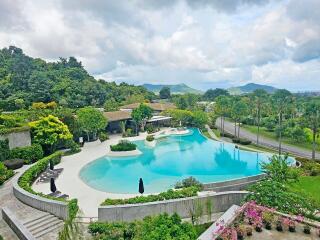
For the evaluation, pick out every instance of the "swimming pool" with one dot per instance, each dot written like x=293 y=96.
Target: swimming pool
x=173 y=159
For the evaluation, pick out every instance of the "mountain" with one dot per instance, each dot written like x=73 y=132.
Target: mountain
x=249 y=88
x=177 y=88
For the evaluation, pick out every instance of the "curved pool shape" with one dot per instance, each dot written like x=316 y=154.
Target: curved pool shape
x=173 y=159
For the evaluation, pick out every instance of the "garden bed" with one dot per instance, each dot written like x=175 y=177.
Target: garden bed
x=258 y=222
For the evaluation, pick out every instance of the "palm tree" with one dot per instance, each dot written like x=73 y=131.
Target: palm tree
x=282 y=98
x=312 y=116
x=259 y=96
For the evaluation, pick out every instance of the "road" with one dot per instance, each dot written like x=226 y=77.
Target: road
x=267 y=142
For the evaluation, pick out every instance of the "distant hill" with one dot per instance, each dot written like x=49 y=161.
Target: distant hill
x=177 y=88
x=249 y=88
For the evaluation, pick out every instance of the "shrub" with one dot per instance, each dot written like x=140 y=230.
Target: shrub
x=150 y=138
x=123 y=145
x=103 y=136
x=129 y=133
x=225 y=134
x=153 y=227
x=13 y=163
x=26 y=180
x=29 y=154
x=73 y=146
x=4 y=173
x=170 y=194
x=241 y=141
x=151 y=129
x=189 y=182
x=4 y=149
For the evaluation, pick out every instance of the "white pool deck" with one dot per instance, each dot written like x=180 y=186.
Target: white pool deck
x=70 y=183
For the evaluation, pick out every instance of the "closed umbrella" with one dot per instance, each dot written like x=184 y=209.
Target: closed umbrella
x=51 y=165
x=141 y=187
x=53 y=187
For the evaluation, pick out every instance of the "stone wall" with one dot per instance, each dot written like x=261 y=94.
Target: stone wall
x=233 y=185
x=17 y=139
x=185 y=207
x=57 y=208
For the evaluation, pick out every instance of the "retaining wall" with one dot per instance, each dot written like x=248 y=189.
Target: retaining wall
x=232 y=185
x=18 y=139
x=57 y=208
x=184 y=207
x=19 y=229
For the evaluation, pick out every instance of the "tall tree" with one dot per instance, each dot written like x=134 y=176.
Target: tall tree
x=48 y=131
x=165 y=93
x=281 y=98
x=312 y=117
x=91 y=121
x=222 y=109
x=259 y=97
x=238 y=111
x=211 y=94
x=140 y=116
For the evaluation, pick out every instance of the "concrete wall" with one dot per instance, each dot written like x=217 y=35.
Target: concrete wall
x=57 y=208
x=18 y=139
x=184 y=207
x=233 y=185
x=19 y=229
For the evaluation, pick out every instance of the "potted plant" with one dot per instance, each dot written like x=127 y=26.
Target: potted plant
x=267 y=218
x=279 y=226
x=249 y=231
x=292 y=226
x=240 y=232
x=258 y=226
x=306 y=229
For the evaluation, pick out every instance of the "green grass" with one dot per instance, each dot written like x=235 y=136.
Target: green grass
x=265 y=133
x=308 y=186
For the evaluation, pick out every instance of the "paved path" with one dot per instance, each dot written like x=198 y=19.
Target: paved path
x=22 y=211
x=267 y=142
x=211 y=133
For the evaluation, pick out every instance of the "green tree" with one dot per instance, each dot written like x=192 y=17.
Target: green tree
x=312 y=117
x=48 y=131
x=200 y=118
x=282 y=99
x=259 y=97
x=140 y=116
x=111 y=105
x=238 y=111
x=211 y=94
x=222 y=109
x=91 y=121
x=165 y=93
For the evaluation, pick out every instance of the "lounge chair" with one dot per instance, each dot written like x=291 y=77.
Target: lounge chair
x=54 y=194
x=64 y=196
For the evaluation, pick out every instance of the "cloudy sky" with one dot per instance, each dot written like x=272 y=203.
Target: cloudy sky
x=203 y=43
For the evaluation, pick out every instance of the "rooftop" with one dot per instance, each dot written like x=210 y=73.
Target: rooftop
x=117 y=115
x=154 y=106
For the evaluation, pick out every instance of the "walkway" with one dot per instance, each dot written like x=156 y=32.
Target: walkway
x=267 y=142
x=22 y=211
x=211 y=133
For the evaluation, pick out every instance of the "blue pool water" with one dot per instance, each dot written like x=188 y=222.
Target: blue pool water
x=174 y=158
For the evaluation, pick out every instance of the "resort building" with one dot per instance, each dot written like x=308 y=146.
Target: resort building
x=124 y=115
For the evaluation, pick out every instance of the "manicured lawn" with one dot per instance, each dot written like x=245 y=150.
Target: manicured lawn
x=265 y=133
x=308 y=185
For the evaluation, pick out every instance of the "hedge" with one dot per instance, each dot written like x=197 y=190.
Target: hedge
x=29 y=176
x=241 y=141
x=123 y=145
x=29 y=154
x=150 y=138
x=4 y=131
x=4 y=150
x=5 y=174
x=170 y=194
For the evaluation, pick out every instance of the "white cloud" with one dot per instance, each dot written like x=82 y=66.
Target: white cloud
x=205 y=44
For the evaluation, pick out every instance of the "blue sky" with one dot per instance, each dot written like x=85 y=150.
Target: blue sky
x=203 y=43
